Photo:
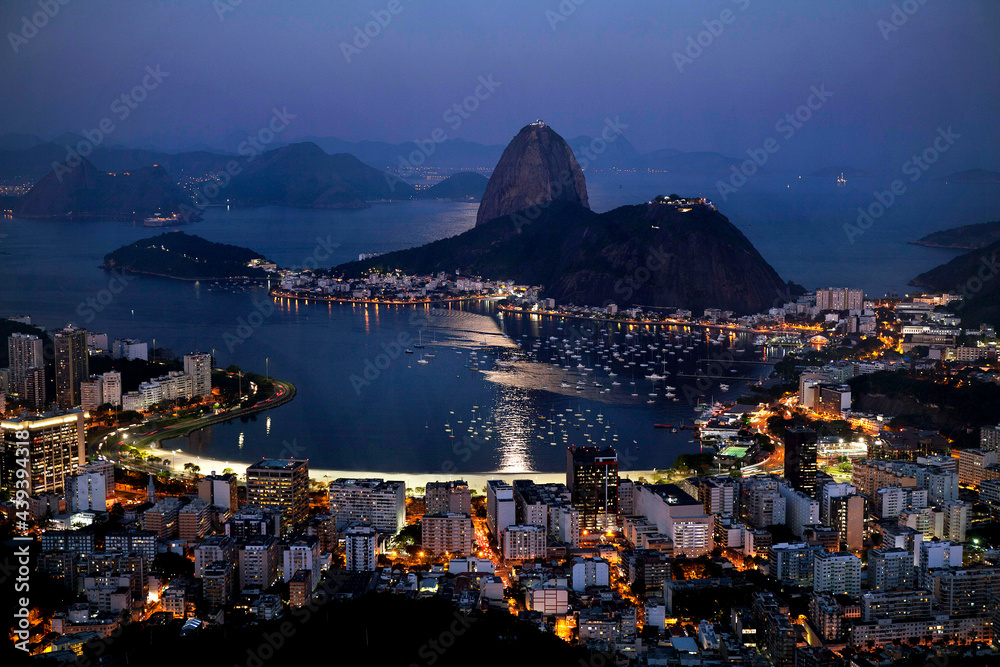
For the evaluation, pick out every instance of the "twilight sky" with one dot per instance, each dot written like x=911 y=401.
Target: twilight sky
x=891 y=89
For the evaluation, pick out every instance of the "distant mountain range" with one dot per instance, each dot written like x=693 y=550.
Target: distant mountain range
x=967 y=237
x=976 y=176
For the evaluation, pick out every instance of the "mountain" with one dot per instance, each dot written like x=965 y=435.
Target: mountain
x=837 y=170
x=616 y=153
x=463 y=185
x=973 y=176
x=662 y=253
x=537 y=167
x=13 y=141
x=450 y=154
x=187 y=257
x=84 y=191
x=976 y=276
x=678 y=162
x=967 y=237
x=304 y=175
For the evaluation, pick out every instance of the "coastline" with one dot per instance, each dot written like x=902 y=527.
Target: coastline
x=279 y=294
x=476 y=480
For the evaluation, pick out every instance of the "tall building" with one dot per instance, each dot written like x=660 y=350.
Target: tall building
x=72 y=365
x=34 y=387
x=839 y=298
x=890 y=568
x=113 y=388
x=972 y=465
x=92 y=393
x=56 y=450
x=523 y=543
x=302 y=553
x=847 y=515
x=129 y=348
x=219 y=490
x=445 y=497
x=376 y=502
x=450 y=533
x=259 y=561
x=592 y=479
x=87 y=492
x=24 y=351
x=361 y=548
x=199 y=367
x=194 y=520
x=834 y=399
x=283 y=485
x=989 y=438
x=837 y=572
x=500 y=507
x=800 y=459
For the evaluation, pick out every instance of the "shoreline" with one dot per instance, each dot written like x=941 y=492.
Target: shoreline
x=658 y=323
x=476 y=480
x=278 y=294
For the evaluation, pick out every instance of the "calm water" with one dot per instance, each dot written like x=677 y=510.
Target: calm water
x=395 y=419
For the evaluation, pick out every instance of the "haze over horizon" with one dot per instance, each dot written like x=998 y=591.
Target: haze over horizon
x=228 y=65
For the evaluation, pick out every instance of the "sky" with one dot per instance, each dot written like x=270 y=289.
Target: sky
x=895 y=72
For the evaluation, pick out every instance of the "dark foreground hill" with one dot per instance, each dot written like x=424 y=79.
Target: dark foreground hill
x=653 y=254
x=187 y=257
x=976 y=277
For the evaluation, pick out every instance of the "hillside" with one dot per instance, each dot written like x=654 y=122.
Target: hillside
x=967 y=237
x=653 y=254
x=463 y=185
x=186 y=257
x=976 y=276
x=84 y=191
x=303 y=175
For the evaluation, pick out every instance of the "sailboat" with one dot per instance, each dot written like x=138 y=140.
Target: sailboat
x=420 y=340
x=421 y=360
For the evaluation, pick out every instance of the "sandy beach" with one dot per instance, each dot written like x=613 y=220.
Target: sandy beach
x=476 y=480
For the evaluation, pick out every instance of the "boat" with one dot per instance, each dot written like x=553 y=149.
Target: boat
x=408 y=351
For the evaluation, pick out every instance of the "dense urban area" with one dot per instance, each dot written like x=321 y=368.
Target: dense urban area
x=841 y=512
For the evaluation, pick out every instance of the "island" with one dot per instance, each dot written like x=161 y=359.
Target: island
x=966 y=237
x=189 y=257
x=974 y=176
